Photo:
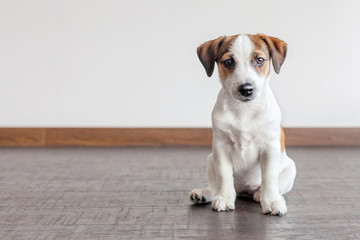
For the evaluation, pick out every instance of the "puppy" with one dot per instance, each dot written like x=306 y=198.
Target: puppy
x=248 y=153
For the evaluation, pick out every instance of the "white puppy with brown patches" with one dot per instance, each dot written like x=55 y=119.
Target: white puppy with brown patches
x=248 y=153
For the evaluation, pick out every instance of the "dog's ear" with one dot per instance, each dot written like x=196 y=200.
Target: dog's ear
x=278 y=49
x=208 y=53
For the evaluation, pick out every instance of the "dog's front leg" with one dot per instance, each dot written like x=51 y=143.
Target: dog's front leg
x=270 y=199
x=225 y=195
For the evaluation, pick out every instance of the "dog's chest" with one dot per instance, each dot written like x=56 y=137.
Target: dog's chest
x=243 y=136
x=244 y=155
x=243 y=148
x=242 y=131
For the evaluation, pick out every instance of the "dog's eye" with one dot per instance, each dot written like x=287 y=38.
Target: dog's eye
x=260 y=60
x=229 y=63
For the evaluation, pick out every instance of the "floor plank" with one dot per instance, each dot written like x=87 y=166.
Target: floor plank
x=133 y=193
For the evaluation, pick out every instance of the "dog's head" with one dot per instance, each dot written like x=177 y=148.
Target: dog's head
x=243 y=62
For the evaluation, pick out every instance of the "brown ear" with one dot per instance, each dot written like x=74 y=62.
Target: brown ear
x=278 y=49
x=208 y=53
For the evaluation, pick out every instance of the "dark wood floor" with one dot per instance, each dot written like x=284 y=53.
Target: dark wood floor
x=142 y=193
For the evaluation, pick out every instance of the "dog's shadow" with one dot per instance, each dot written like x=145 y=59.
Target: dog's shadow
x=244 y=204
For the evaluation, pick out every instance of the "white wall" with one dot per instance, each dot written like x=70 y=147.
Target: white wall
x=134 y=63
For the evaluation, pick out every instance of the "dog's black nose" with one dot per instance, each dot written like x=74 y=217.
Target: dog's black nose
x=246 y=89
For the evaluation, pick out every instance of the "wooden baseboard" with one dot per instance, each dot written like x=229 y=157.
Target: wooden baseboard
x=121 y=137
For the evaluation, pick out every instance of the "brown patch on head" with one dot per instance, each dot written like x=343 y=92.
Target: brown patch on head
x=218 y=50
x=282 y=140
x=261 y=50
x=275 y=47
x=213 y=51
x=224 y=72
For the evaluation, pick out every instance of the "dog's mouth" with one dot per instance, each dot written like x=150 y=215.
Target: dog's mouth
x=244 y=99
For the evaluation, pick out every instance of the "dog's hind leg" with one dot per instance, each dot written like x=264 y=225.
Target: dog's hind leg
x=205 y=195
x=287 y=175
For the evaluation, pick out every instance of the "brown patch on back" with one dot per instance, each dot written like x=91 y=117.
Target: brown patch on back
x=282 y=140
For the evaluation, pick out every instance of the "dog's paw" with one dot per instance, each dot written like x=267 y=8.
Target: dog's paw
x=257 y=195
x=274 y=206
x=221 y=204
x=198 y=196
